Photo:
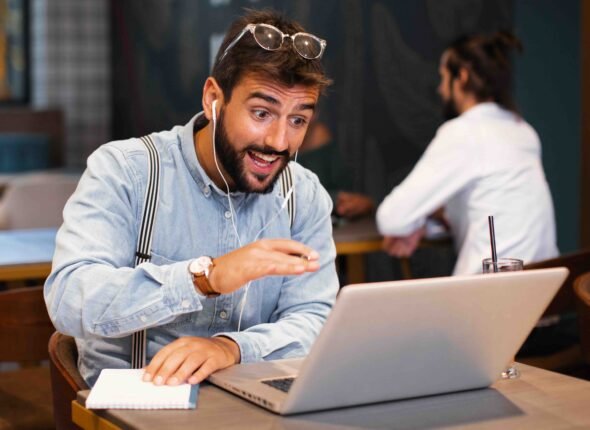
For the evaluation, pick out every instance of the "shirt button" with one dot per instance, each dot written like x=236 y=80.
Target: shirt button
x=206 y=191
x=143 y=318
x=185 y=304
x=223 y=314
x=227 y=214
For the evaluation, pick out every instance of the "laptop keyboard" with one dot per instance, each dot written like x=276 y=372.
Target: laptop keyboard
x=282 y=384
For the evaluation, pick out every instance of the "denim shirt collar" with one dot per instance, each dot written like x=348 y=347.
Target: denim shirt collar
x=196 y=170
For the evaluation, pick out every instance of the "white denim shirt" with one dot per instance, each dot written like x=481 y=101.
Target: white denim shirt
x=96 y=295
x=485 y=162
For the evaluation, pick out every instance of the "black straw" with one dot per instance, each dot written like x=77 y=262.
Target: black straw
x=493 y=242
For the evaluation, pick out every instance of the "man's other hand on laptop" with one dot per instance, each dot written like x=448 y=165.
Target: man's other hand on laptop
x=191 y=359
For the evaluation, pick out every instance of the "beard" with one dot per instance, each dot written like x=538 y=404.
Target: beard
x=449 y=108
x=233 y=162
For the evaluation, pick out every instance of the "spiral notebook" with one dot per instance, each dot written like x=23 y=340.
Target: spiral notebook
x=124 y=389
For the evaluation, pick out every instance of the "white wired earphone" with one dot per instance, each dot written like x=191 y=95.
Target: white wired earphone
x=231 y=207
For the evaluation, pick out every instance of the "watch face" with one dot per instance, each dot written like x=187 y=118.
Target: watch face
x=200 y=265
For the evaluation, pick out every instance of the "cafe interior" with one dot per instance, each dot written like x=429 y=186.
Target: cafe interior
x=75 y=74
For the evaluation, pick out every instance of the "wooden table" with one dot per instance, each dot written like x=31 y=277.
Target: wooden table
x=538 y=400
x=353 y=240
x=26 y=254
x=356 y=238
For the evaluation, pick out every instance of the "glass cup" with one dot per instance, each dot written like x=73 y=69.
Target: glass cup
x=501 y=265
x=504 y=265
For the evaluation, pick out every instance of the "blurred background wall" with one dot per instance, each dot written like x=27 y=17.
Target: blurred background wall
x=71 y=70
x=547 y=84
x=125 y=68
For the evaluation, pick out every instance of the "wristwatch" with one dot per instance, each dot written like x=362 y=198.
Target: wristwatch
x=200 y=268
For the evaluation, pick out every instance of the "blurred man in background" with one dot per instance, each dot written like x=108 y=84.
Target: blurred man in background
x=485 y=160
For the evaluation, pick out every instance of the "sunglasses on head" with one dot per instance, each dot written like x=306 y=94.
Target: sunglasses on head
x=271 y=38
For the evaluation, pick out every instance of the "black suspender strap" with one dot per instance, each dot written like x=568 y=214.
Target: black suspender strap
x=144 y=243
x=286 y=184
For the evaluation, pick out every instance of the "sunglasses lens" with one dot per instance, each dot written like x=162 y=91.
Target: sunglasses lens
x=268 y=37
x=307 y=46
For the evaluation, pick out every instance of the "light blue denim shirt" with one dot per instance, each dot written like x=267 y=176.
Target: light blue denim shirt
x=96 y=295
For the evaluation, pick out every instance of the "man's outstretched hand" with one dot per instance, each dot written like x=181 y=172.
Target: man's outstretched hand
x=259 y=259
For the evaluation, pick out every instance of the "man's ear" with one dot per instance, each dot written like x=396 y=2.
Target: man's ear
x=463 y=77
x=211 y=92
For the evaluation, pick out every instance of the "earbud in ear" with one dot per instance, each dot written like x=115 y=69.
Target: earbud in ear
x=214 y=109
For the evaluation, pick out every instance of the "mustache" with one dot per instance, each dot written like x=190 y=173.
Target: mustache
x=267 y=150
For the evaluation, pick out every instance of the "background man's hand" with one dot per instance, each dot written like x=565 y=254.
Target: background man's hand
x=353 y=205
x=261 y=258
x=403 y=246
x=191 y=359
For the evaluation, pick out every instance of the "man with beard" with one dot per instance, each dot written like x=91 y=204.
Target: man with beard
x=230 y=277
x=485 y=160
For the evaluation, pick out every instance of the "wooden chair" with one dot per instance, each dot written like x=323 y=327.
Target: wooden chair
x=582 y=292
x=66 y=380
x=560 y=333
x=25 y=328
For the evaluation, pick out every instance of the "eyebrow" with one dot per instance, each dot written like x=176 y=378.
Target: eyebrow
x=270 y=99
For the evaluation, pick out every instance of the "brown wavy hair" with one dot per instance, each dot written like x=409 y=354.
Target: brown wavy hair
x=283 y=66
x=487 y=61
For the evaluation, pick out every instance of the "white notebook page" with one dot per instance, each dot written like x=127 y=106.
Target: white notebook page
x=124 y=389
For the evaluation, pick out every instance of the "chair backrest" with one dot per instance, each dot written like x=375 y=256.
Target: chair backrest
x=582 y=291
x=577 y=263
x=25 y=327
x=66 y=380
x=36 y=200
x=49 y=122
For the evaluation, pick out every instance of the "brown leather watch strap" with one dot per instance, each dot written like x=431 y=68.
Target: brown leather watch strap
x=201 y=282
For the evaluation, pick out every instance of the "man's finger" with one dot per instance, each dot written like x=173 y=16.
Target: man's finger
x=292 y=259
x=170 y=366
x=161 y=356
x=276 y=263
x=188 y=367
x=295 y=269
x=388 y=242
x=291 y=247
x=206 y=369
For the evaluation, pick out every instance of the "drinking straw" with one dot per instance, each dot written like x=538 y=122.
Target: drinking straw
x=493 y=242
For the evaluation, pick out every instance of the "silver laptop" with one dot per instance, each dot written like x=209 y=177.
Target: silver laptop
x=402 y=339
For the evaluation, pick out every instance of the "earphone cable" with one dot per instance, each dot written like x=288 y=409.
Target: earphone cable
x=233 y=213
x=231 y=207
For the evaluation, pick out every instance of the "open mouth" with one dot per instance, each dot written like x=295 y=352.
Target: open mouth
x=263 y=163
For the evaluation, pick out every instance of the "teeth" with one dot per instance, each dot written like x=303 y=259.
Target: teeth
x=266 y=157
